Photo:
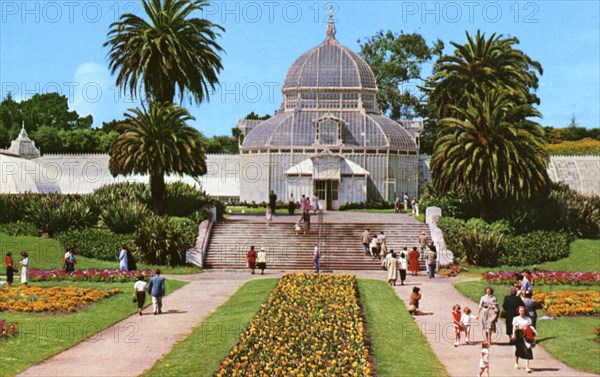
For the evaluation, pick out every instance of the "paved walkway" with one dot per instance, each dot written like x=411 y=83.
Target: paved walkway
x=136 y=343
x=144 y=340
x=438 y=298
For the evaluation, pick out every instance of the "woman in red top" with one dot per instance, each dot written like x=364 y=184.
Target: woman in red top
x=251 y=256
x=413 y=261
x=9 y=268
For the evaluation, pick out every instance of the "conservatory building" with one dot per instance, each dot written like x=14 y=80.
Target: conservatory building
x=329 y=137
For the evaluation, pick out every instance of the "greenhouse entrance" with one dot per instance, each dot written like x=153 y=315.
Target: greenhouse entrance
x=328 y=193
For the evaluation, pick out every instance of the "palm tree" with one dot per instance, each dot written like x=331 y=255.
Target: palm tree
x=167 y=54
x=156 y=141
x=479 y=66
x=491 y=149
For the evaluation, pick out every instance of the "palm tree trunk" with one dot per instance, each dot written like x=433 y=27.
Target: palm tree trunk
x=488 y=210
x=159 y=193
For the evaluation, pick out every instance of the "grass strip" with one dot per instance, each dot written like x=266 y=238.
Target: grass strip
x=209 y=343
x=44 y=335
x=568 y=339
x=584 y=256
x=399 y=346
x=48 y=253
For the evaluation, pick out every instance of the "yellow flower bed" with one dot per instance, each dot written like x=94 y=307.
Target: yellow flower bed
x=52 y=299
x=311 y=325
x=566 y=303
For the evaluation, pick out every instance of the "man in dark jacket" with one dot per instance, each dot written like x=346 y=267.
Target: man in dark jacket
x=510 y=306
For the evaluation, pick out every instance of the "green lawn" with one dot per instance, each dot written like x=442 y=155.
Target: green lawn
x=399 y=346
x=238 y=210
x=584 y=256
x=569 y=339
x=207 y=346
x=44 y=335
x=201 y=353
x=47 y=253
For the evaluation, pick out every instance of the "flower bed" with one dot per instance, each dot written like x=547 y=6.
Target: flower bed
x=52 y=299
x=310 y=325
x=546 y=277
x=8 y=330
x=569 y=303
x=108 y=276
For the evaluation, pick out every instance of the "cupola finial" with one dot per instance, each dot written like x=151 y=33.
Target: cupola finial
x=331 y=25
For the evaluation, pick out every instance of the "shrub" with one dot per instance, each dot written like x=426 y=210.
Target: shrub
x=453 y=204
x=452 y=229
x=162 y=240
x=183 y=199
x=20 y=228
x=455 y=230
x=14 y=206
x=536 y=247
x=94 y=243
x=371 y=204
x=123 y=217
x=128 y=192
x=482 y=247
x=55 y=213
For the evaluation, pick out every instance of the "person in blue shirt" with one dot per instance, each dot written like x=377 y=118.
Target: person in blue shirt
x=157 y=291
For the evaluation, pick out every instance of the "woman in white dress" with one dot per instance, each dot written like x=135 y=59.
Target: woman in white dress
x=24 y=268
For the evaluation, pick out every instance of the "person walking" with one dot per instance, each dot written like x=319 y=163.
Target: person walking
x=269 y=216
x=365 y=239
x=374 y=247
x=157 y=291
x=25 y=268
x=316 y=257
x=413 y=261
x=402 y=265
x=315 y=204
x=139 y=292
x=123 y=265
x=291 y=205
x=488 y=309
x=431 y=260
x=405 y=200
x=423 y=241
x=484 y=362
x=531 y=306
x=467 y=321
x=458 y=325
x=251 y=258
x=306 y=221
x=273 y=202
x=261 y=260
x=523 y=337
x=415 y=206
x=511 y=304
x=10 y=270
x=70 y=261
x=391 y=264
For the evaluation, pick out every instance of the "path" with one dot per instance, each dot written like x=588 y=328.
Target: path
x=144 y=340
x=438 y=297
x=136 y=343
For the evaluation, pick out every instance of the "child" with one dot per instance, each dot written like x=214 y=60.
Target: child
x=413 y=302
x=484 y=362
x=297 y=228
x=269 y=216
x=466 y=321
x=458 y=325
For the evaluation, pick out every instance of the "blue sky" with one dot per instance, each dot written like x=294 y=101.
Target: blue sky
x=49 y=46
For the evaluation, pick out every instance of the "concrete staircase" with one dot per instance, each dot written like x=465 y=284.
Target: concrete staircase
x=340 y=244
